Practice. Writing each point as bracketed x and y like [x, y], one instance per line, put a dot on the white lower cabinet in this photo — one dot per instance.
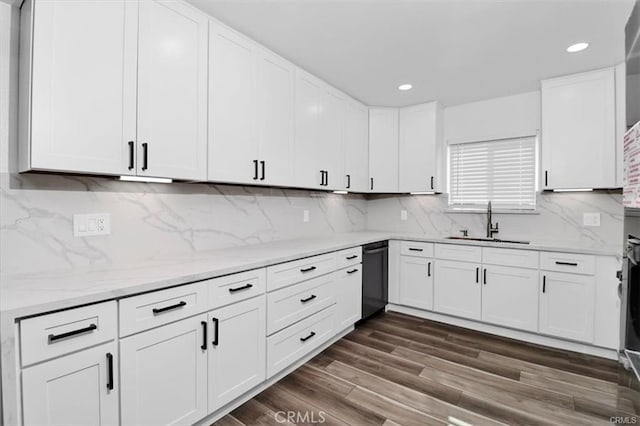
[77, 389]
[416, 282]
[510, 297]
[236, 350]
[457, 289]
[348, 289]
[567, 303]
[164, 374]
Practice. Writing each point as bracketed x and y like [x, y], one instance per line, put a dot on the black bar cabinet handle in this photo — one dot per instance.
[326, 181]
[309, 269]
[353, 271]
[485, 276]
[180, 304]
[145, 156]
[429, 269]
[255, 169]
[348, 181]
[55, 337]
[109, 371]
[262, 170]
[352, 257]
[216, 330]
[415, 249]
[544, 283]
[304, 339]
[204, 335]
[244, 287]
[321, 177]
[546, 178]
[308, 299]
[131, 155]
[431, 182]
[371, 184]
[477, 274]
[566, 263]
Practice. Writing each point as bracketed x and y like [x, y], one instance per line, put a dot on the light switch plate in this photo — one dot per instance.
[591, 219]
[403, 215]
[87, 225]
[305, 216]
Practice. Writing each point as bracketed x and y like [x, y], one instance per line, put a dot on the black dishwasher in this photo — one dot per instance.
[375, 292]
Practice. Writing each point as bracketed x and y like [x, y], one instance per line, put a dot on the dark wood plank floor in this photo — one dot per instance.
[397, 369]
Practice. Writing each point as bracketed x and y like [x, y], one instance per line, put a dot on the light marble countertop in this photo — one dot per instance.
[30, 294]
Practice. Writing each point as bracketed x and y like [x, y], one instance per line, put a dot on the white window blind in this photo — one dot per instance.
[501, 171]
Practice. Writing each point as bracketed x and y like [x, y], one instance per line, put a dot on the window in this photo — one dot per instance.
[501, 171]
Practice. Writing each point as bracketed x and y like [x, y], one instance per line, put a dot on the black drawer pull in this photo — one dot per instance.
[352, 257]
[55, 337]
[204, 335]
[244, 287]
[566, 263]
[216, 330]
[157, 311]
[309, 269]
[308, 299]
[304, 339]
[415, 249]
[353, 271]
[109, 371]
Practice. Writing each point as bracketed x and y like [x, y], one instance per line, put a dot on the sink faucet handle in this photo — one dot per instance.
[465, 232]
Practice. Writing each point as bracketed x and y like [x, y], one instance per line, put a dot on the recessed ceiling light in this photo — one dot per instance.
[577, 47]
[405, 87]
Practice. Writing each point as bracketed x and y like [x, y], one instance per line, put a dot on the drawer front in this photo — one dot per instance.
[510, 257]
[56, 334]
[458, 252]
[568, 262]
[289, 305]
[234, 288]
[348, 257]
[285, 274]
[411, 248]
[291, 344]
[150, 310]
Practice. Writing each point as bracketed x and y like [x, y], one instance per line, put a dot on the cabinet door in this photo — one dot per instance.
[383, 150]
[348, 290]
[237, 358]
[275, 119]
[79, 389]
[457, 289]
[233, 97]
[578, 131]
[418, 148]
[172, 91]
[83, 88]
[567, 303]
[164, 374]
[510, 297]
[416, 282]
[308, 96]
[330, 151]
[357, 147]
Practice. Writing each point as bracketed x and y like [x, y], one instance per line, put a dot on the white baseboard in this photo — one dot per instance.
[507, 332]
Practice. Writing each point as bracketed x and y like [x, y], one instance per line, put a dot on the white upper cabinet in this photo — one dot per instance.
[275, 119]
[578, 131]
[420, 142]
[330, 150]
[308, 100]
[172, 91]
[77, 112]
[383, 150]
[357, 147]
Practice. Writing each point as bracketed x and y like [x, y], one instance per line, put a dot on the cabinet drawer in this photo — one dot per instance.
[458, 252]
[348, 257]
[510, 257]
[60, 333]
[291, 304]
[234, 288]
[285, 274]
[289, 345]
[411, 248]
[568, 262]
[150, 310]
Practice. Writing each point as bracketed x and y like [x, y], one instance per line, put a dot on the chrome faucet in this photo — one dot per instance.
[490, 229]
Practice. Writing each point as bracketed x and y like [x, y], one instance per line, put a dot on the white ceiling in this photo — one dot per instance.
[455, 51]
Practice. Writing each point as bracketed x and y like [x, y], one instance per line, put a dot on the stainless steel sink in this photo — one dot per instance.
[488, 240]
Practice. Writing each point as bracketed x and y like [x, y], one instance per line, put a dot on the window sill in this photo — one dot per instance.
[493, 211]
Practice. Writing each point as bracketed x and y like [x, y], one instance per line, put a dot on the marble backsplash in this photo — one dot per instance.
[558, 220]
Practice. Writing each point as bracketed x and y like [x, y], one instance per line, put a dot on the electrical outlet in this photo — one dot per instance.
[86, 225]
[403, 215]
[305, 216]
[591, 219]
